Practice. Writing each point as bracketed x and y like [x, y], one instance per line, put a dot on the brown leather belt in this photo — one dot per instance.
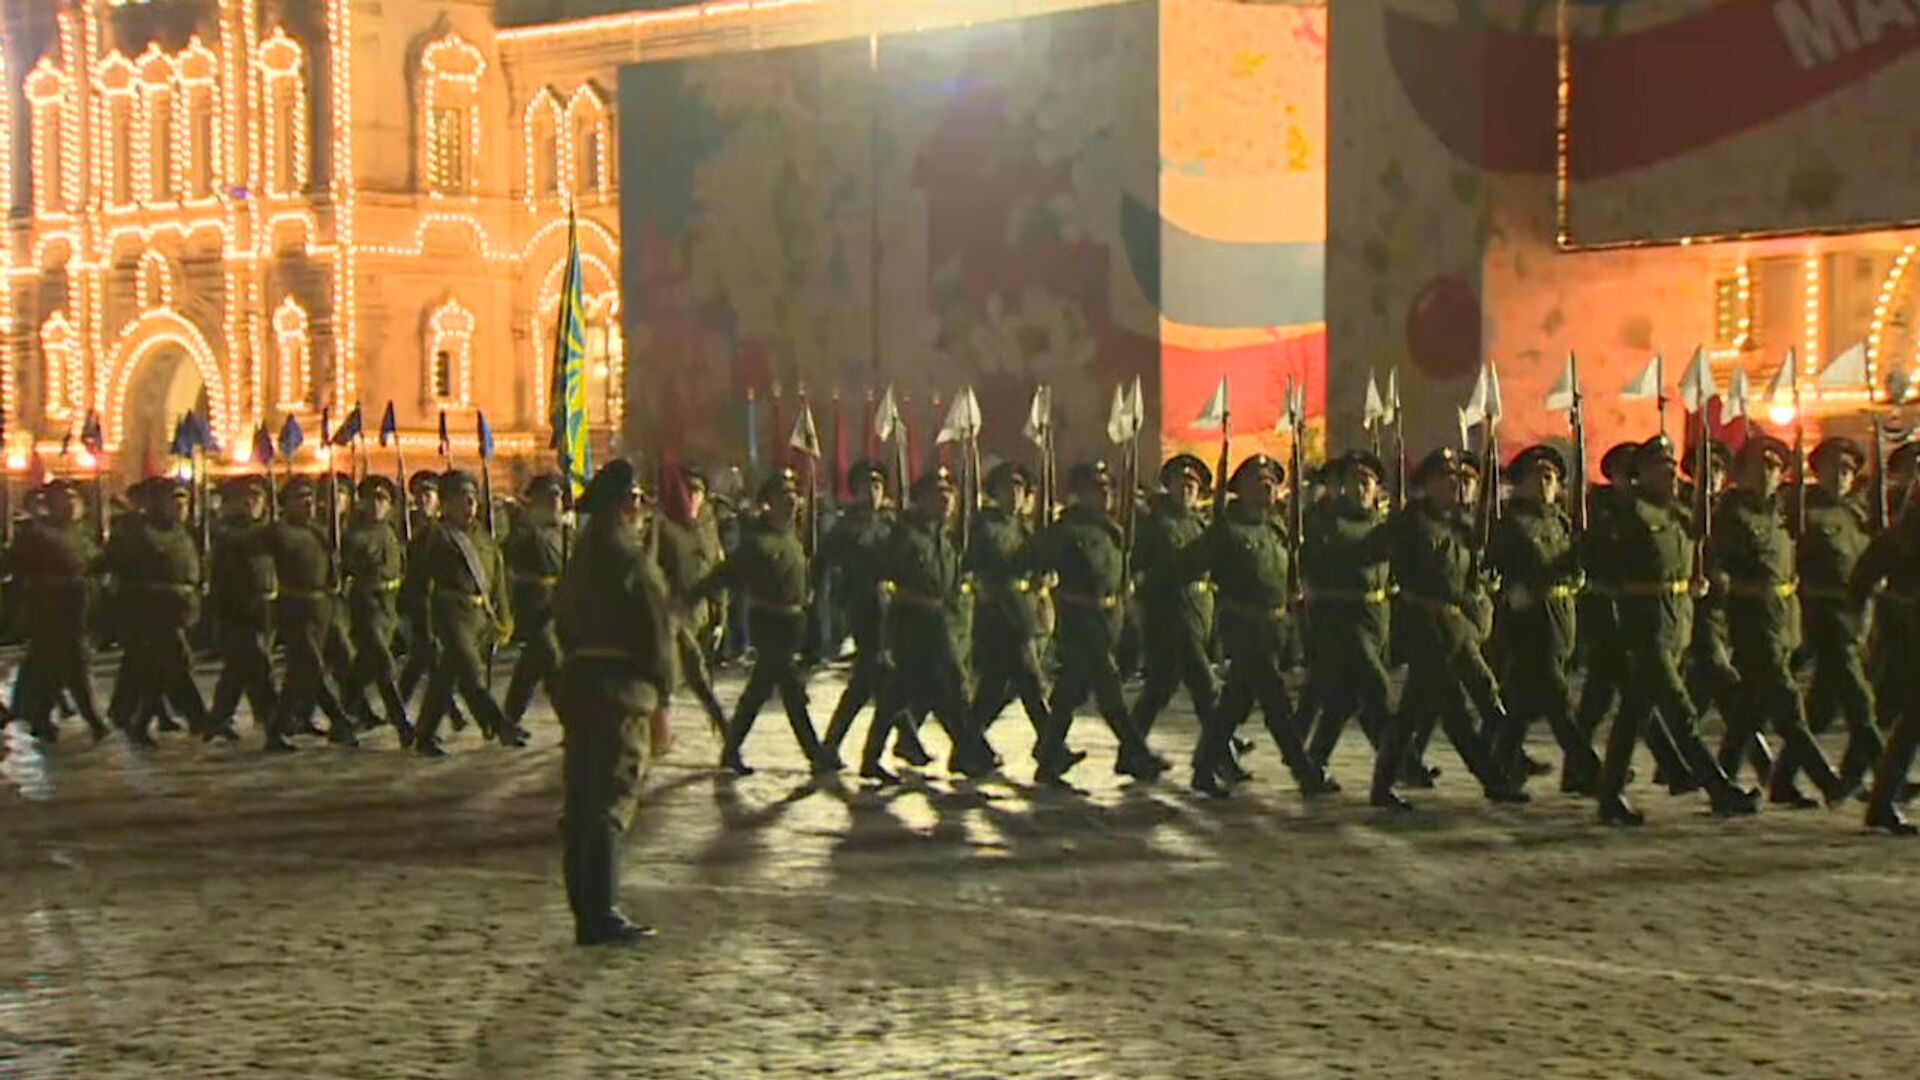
[1103, 602]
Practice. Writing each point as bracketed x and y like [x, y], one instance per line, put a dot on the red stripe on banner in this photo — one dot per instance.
[1257, 381]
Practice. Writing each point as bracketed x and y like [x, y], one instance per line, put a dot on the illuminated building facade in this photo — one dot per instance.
[263, 207]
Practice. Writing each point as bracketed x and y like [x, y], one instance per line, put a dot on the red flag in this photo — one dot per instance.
[839, 451]
[149, 462]
[36, 471]
[675, 501]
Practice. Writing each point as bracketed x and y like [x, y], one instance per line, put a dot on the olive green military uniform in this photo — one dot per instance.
[1006, 628]
[926, 644]
[57, 567]
[1836, 534]
[1532, 549]
[1176, 599]
[852, 551]
[1083, 551]
[1599, 616]
[1893, 557]
[156, 570]
[769, 565]
[464, 576]
[303, 565]
[685, 560]
[613, 621]
[244, 587]
[1346, 563]
[415, 607]
[1754, 560]
[1652, 547]
[533, 554]
[1247, 553]
[372, 559]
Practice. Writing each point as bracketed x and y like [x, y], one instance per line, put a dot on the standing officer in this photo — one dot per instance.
[1435, 563]
[1345, 562]
[303, 565]
[689, 549]
[57, 563]
[373, 562]
[1832, 539]
[1753, 556]
[613, 621]
[1247, 553]
[1006, 628]
[1656, 582]
[1084, 549]
[244, 588]
[851, 550]
[1176, 596]
[1532, 549]
[155, 564]
[770, 566]
[463, 574]
[927, 592]
[533, 551]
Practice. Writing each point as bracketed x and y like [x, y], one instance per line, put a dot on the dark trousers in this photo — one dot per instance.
[246, 670]
[777, 638]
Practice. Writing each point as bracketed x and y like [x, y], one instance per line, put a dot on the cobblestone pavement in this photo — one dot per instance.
[211, 912]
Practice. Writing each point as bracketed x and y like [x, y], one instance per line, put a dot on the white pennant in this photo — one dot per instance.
[1561, 397]
[1393, 395]
[1644, 385]
[963, 419]
[1374, 412]
[1785, 385]
[1136, 410]
[1466, 425]
[1734, 405]
[1117, 416]
[1214, 414]
[1848, 370]
[886, 418]
[805, 438]
[1040, 416]
[1696, 384]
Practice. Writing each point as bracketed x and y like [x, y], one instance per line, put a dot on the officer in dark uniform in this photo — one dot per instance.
[373, 562]
[462, 572]
[534, 551]
[1248, 554]
[1832, 539]
[770, 566]
[1754, 559]
[1436, 564]
[1893, 558]
[243, 592]
[1084, 550]
[1532, 549]
[851, 551]
[423, 512]
[1606, 657]
[1890, 649]
[927, 591]
[1006, 628]
[303, 565]
[57, 564]
[688, 550]
[155, 564]
[1345, 557]
[1656, 580]
[1712, 682]
[1176, 595]
[614, 624]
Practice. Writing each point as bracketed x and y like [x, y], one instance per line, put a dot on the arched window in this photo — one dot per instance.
[293, 355]
[540, 127]
[47, 94]
[114, 83]
[588, 116]
[450, 71]
[283, 92]
[154, 286]
[154, 163]
[198, 144]
[450, 355]
[58, 348]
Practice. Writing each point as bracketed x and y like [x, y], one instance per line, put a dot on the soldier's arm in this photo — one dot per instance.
[500, 596]
[1872, 568]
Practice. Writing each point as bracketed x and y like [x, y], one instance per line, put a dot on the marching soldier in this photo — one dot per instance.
[613, 620]
[533, 551]
[56, 563]
[1532, 549]
[1893, 558]
[461, 571]
[1712, 682]
[1248, 555]
[1176, 596]
[1345, 562]
[1651, 544]
[303, 566]
[1435, 563]
[1606, 655]
[1006, 628]
[244, 588]
[155, 564]
[770, 566]
[925, 630]
[851, 549]
[424, 514]
[1753, 557]
[689, 550]
[373, 562]
[1832, 539]
[1084, 550]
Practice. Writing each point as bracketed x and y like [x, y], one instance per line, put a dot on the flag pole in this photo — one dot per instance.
[1660, 390]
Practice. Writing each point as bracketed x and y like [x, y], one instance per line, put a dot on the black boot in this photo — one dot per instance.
[730, 758]
[600, 921]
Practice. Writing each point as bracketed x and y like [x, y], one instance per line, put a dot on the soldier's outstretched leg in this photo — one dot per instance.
[863, 684]
[793, 697]
[1277, 711]
[761, 683]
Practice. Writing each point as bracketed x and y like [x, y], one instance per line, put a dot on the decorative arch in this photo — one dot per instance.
[155, 127]
[540, 128]
[449, 355]
[590, 137]
[153, 286]
[139, 339]
[61, 380]
[293, 354]
[599, 284]
[50, 151]
[450, 73]
[115, 107]
[201, 159]
[283, 95]
[1895, 289]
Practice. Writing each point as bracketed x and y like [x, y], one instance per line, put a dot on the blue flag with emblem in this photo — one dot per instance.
[182, 444]
[262, 446]
[291, 437]
[349, 428]
[484, 431]
[389, 426]
[568, 399]
[200, 433]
